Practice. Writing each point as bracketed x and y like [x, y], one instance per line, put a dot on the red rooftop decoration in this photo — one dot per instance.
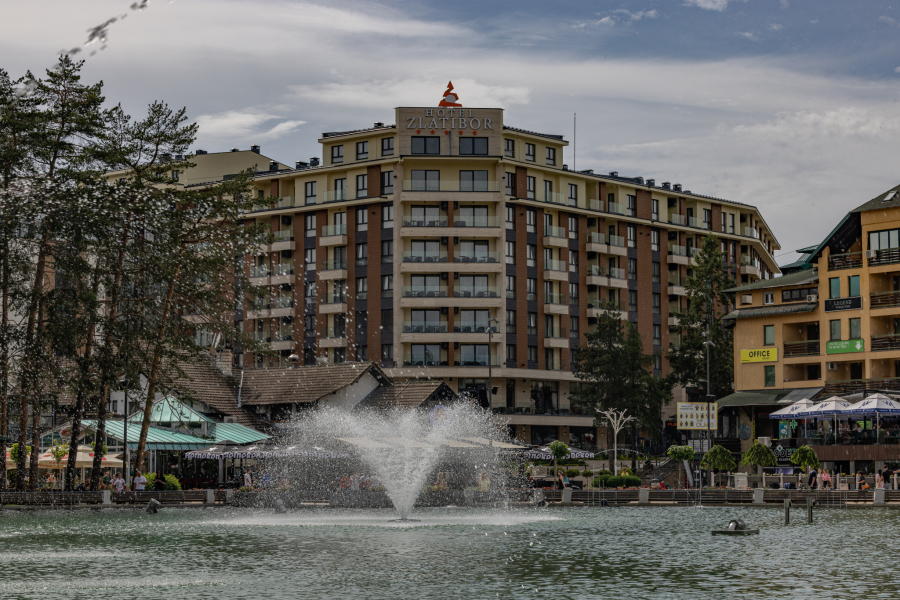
[450, 97]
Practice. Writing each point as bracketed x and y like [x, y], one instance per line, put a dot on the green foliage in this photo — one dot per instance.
[172, 483]
[14, 452]
[603, 472]
[103, 450]
[559, 450]
[59, 451]
[587, 473]
[707, 301]
[617, 481]
[759, 455]
[680, 453]
[617, 374]
[718, 458]
[806, 457]
[572, 472]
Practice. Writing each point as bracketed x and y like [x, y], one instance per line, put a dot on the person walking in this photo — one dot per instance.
[826, 480]
[248, 481]
[879, 480]
[119, 483]
[812, 478]
[861, 481]
[140, 482]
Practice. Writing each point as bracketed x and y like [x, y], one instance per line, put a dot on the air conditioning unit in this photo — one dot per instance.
[765, 441]
[812, 298]
[832, 366]
[229, 419]
[870, 253]
[746, 298]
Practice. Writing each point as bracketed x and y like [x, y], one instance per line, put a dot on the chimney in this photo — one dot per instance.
[199, 152]
[565, 167]
[666, 185]
[651, 182]
[224, 361]
[273, 166]
[613, 173]
[234, 149]
[300, 165]
[314, 161]
[639, 180]
[254, 149]
[379, 124]
[677, 187]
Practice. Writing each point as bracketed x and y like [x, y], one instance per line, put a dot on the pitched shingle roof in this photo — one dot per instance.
[303, 384]
[783, 281]
[767, 311]
[409, 394]
[204, 382]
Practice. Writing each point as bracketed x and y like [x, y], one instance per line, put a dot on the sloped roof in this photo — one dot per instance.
[204, 382]
[783, 281]
[881, 201]
[165, 439]
[303, 384]
[411, 393]
[169, 410]
[752, 398]
[766, 311]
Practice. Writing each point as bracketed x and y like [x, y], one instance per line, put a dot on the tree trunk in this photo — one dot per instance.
[4, 356]
[36, 406]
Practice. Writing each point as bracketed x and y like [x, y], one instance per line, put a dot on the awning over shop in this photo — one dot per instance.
[753, 398]
[165, 439]
[801, 394]
[768, 311]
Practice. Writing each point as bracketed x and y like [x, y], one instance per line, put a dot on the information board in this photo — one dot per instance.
[692, 415]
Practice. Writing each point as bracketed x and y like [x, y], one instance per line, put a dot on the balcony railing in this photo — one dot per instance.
[282, 302]
[675, 281]
[886, 342]
[424, 326]
[261, 336]
[424, 291]
[695, 222]
[596, 238]
[617, 240]
[483, 291]
[616, 273]
[884, 299]
[434, 256]
[888, 256]
[362, 262]
[750, 233]
[676, 250]
[285, 235]
[334, 299]
[474, 327]
[599, 205]
[338, 229]
[419, 360]
[284, 202]
[807, 348]
[596, 270]
[333, 196]
[259, 271]
[449, 185]
[676, 219]
[556, 332]
[555, 265]
[477, 361]
[615, 208]
[750, 261]
[282, 269]
[555, 298]
[475, 221]
[478, 257]
[284, 335]
[335, 332]
[847, 260]
[551, 231]
[331, 264]
[423, 221]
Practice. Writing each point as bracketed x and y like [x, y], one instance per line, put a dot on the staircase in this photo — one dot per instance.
[661, 472]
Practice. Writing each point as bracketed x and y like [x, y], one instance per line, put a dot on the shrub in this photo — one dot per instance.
[603, 480]
[172, 483]
[572, 472]
[587, 473]
[604, 472]
[617, 481]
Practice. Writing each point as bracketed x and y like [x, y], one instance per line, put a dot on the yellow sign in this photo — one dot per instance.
[759, 355]
[693, 415]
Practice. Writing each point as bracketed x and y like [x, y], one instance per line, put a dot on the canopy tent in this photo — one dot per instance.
[84, 459]
[546, 454]
[792, 411]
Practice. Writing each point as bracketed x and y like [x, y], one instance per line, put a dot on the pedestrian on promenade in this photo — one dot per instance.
[879, 480]
[861, 481]
[159, 483]
[248, 481]
[119, 483]
[140, 482]
[812, 479]
[826, 480]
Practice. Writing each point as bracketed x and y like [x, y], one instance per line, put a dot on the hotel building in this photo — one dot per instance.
[452, 246]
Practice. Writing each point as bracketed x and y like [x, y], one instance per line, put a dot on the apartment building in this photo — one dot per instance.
[453, 246]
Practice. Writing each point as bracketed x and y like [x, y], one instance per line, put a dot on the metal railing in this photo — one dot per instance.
[483, 291]
[424, 326]
[847, 260]
[890, 341]
[425, 256]
[884, 299]
[805, 348]
[449, 185]
[337, 229]
[424, 291]
[887, 256]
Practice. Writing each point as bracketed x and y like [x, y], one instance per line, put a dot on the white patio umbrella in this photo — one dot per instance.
[832, 407]
[876, 404]
[792, 411]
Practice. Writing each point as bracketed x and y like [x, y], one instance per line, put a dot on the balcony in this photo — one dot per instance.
[676, 219]
[478, 257]
[556, 304]
[334, 196]
[560, 299]
[615, 273]
[418, 360]
[475, 221]
[333, 304]
[424, 326]
[556, 236]
[598, 205]
[614, 208]
[560, 333]
[284, 270]
[474, 327]
[424, 221]
[333, 269]
[489, 291]
[258, 272]
[847, 260]
[750, 233]
[331, 230]
[424, 291]
[695, 223]
[477, 360]
[332, 264]
[419, 256]
[884, 299]
[885, 342]
[676, 287]
[804, 348]
[274, 203]
[888, 256]
[285, 235]
[450, 185]
[678, 255]
[554, 198]
[749, 265]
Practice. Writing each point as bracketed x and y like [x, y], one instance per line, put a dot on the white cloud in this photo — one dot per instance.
[236, 126]
[637, 16]
[897, 70]
[605, 21]
[747, 35]
[785, 4]
[776, 27]
[719, 5]
[888, 20]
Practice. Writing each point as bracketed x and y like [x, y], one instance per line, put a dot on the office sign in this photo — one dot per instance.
[843, 304]
[845, 346]
[759, 355]
[692, 415]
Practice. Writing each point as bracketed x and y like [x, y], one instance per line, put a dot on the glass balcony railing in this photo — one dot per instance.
[750, 233]
[616, 273]
[449, 185]
[676, 250]
[554, 198]
[474, 327]
[477, 257]
[749, 261]
[531, 296]
[424, 291]
[695, 222]
[282, 269]
[424, 326]
[676, 219]
[483, 291]
[261, 336]
[285, 235]
[338, 229]
[423, 256]
[556, 332]
[475, 221]
[424, 360]
[333, 196]
[284, 335]
[596, 238]
[555, 265]
[615, 208]
[616, 240]
[362, 262]
[676, 281]
[335, 332]
[424, 220]
[560, 232]
[262, 271]
[332, 264]
[284, 202]
[597, 205]
[282, 302]
[555, 298]
[334, 299]
[476, 360]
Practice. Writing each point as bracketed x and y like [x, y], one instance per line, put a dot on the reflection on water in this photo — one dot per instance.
[461, 553]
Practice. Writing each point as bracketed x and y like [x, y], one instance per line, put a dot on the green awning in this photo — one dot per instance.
[171, 410]
[165, 439]
[237, 433]
[767, 311]
[753, 398]
[783, 281]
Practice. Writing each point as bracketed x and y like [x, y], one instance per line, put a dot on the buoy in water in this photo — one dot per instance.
[735, 527]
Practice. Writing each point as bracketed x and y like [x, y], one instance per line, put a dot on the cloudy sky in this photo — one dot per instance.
[792, 106]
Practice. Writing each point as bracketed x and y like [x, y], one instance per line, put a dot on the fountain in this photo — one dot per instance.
[406, 450]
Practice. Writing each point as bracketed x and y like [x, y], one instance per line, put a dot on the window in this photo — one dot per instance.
[340, 189]
[835, 327]
[531, 289]
[511, 217]
[387, 251]
[337, 154]
[632, 236]
[531, 255]
[551, 156]
[632, 268]
[510, 286]
[473, 181]
[362, 255]
[724, 222]
[309, 225]
[425, 181]
[426, 145]
[548, 191]
[311, 193]
[309, 292]
[855, 329]
[657, 335]
[770, 376]
[834, 287]
[532, 323]
[853, 280]
[509, 148]
[654, 209]
[730, 223]
[362, 220]
[387, 146]
[530, 184]
[387, 216]
[573, 293]
[573, 228]
[655, 267]
[362, 288]
[473, 146]
[309, 326]
[510, 180]
[630, 203]
[657, 362]
[387, 354]
[309, 257]
[532, 354]
[175, 174]
[798, 294]
[707, 219]
[510, 321]
[573, 327]
[387, 286]
[632, 300]
[362, 353]
[573, 261]
[362, 150]
[654, 240]
[769, 298]
[387, 183]
[612, 295]
[510, 357]
[573, 194]
[510, 253]
[530, 220]
[387, 320]
[884, 240]
[529, 152]
[657, 303]
[768, 335]
[362, 186]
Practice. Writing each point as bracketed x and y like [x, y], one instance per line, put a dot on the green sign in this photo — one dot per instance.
[845, 347]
